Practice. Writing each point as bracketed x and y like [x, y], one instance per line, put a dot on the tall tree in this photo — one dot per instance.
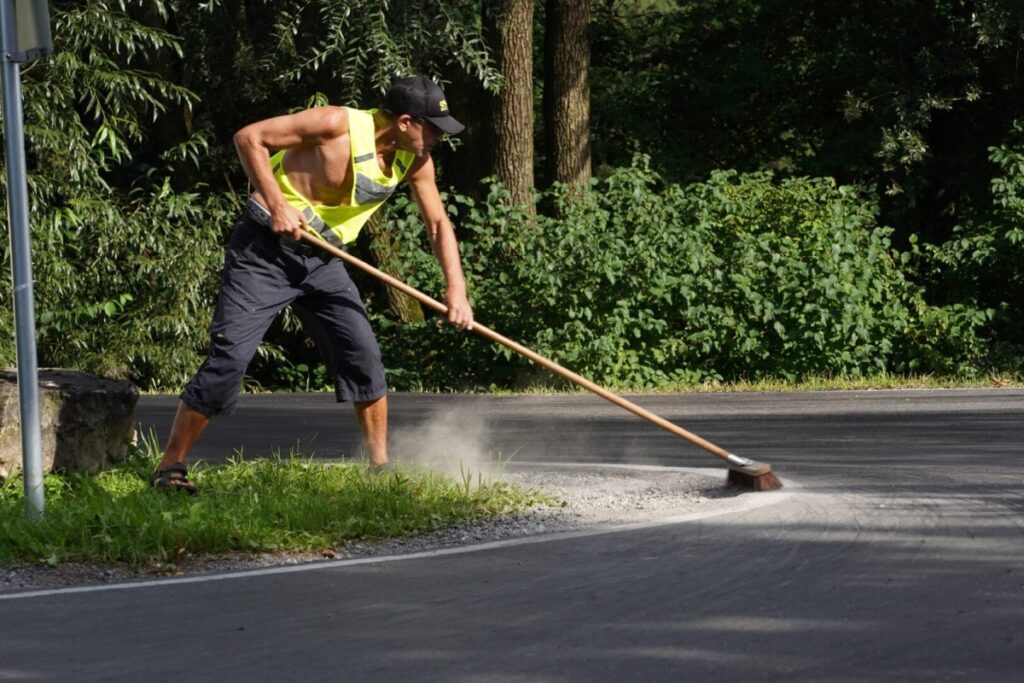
[508, 24]
[567, 91]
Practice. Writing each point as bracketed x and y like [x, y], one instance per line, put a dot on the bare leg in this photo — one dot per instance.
[188, 425]
[373, 418]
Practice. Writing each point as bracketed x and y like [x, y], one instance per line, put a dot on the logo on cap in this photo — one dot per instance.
[443, 105]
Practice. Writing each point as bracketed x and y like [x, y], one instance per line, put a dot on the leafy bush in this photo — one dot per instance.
[982, 265]
[127, 290]
[638, 284]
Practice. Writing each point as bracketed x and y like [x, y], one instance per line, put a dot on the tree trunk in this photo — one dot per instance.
[472, 160]
[384, 253]
[508, 25]
[567, 91]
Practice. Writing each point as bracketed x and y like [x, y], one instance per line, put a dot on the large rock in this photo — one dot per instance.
[87, 422]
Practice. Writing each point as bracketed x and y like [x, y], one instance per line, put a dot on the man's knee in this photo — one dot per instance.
[214, 389]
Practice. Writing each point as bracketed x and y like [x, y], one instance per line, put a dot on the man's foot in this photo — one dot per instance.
[382, 468]
[173, 477]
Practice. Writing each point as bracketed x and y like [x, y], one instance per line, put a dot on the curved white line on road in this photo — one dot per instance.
[746, 504]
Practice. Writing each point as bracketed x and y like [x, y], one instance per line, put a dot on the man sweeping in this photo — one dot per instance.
[325, 170]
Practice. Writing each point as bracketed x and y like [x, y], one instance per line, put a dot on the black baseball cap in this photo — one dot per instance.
[421, 98]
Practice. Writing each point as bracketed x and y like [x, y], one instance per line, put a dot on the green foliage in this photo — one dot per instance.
[982, 264]
[126, 289]
[638, 283]
[274, 504]
[131, 203]
[756, 272]
[901, 96]
[272, 56]
[124, 262]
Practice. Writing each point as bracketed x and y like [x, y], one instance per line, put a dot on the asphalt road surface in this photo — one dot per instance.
[897, 554]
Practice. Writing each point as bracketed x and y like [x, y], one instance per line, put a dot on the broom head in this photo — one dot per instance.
[756, 476]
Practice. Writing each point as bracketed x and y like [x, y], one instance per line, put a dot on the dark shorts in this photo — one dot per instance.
[262, 274]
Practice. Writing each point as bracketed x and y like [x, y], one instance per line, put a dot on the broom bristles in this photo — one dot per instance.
[764, 480]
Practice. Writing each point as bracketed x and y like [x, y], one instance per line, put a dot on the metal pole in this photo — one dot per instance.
[21, 268]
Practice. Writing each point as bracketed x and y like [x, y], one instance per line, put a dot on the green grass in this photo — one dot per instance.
[556, 385]
[880, 381]
[818, 383]
[277, 504]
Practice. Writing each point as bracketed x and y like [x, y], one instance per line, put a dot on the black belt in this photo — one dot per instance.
[258, 214]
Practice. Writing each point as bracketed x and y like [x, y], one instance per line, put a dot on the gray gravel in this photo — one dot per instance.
[590, 496]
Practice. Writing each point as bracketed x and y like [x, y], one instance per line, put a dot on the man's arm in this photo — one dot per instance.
[442, 242]
[256, 141]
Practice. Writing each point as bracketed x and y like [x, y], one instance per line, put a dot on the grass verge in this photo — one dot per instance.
[556, 385]
[277, 504]
[780, 385]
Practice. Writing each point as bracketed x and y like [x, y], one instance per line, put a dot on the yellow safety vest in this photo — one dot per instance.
[341, 223]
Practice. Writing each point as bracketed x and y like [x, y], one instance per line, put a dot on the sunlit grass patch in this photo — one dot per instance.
[877, 381]
[287, 504]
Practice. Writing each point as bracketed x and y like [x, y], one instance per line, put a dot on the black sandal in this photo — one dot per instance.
[173, 478]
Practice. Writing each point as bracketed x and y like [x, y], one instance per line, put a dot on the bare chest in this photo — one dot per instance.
[323, 174]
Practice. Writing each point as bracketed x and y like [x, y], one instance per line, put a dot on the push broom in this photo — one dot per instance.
[743, 472]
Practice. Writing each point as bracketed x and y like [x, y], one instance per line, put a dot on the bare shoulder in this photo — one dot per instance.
[337, 115]
[307, 128]
[422, 171]
[320, 123]
[330, 121]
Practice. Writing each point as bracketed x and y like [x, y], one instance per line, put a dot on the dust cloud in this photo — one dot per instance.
[450, 443]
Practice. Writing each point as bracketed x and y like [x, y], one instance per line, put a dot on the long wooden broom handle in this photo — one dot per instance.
[519, 348]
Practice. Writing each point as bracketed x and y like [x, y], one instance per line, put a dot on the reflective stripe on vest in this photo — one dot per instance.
[319, 227]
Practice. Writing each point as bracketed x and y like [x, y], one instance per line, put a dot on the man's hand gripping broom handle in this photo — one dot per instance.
[742, 471]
